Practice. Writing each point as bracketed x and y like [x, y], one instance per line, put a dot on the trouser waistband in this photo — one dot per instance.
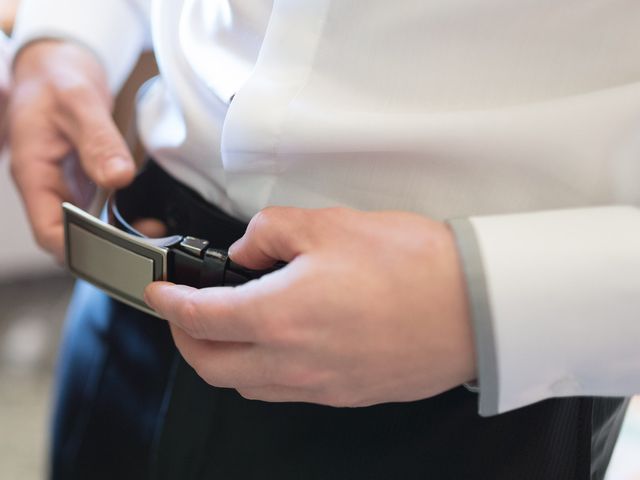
[156, 194]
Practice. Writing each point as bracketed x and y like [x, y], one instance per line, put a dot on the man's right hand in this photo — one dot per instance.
[62, 136]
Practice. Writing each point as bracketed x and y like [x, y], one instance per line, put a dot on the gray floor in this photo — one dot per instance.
[31, 316]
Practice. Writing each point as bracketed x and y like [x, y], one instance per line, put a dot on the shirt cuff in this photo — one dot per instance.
[554, 299]
[114, 30]
[481, 318]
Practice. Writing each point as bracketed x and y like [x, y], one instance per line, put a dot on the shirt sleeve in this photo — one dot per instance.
[115, 30]
[555, 302]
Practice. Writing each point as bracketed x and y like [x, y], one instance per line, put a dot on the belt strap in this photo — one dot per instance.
[196, 262]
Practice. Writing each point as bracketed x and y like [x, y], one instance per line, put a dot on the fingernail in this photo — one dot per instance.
[114, 167]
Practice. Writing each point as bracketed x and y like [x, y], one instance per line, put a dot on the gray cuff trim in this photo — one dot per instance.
[480, 310]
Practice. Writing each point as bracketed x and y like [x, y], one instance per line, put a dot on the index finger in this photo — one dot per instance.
[36, 153]
[217, 313]
[43, 190]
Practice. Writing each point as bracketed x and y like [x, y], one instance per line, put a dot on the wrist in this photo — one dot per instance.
[65, 65]
[463, 329]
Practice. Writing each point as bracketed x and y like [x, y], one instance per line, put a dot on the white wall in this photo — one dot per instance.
[19, 256]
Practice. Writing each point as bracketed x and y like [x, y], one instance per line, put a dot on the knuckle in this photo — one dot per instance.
[27, 96]
[73, 95]
[249, 394]
[269, 216]
[263, 218]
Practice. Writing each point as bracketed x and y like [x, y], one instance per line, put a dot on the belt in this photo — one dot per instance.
[121, 261]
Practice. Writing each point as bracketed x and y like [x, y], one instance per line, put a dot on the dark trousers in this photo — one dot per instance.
[128, 407]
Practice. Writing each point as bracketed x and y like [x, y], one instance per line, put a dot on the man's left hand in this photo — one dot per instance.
[371, 308]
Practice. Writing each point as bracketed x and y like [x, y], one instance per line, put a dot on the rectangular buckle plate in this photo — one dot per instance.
[118, 263]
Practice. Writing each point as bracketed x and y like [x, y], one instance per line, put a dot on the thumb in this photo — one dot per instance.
[103, 152]
[274, 234]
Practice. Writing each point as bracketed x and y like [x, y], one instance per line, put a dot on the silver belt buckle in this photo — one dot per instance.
[117, 262]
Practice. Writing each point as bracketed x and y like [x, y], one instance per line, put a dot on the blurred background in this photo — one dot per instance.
[33, 296]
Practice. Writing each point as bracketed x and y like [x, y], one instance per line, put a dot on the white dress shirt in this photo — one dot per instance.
[522, 117]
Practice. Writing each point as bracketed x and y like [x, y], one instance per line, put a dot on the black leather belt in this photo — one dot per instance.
[121, 261]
